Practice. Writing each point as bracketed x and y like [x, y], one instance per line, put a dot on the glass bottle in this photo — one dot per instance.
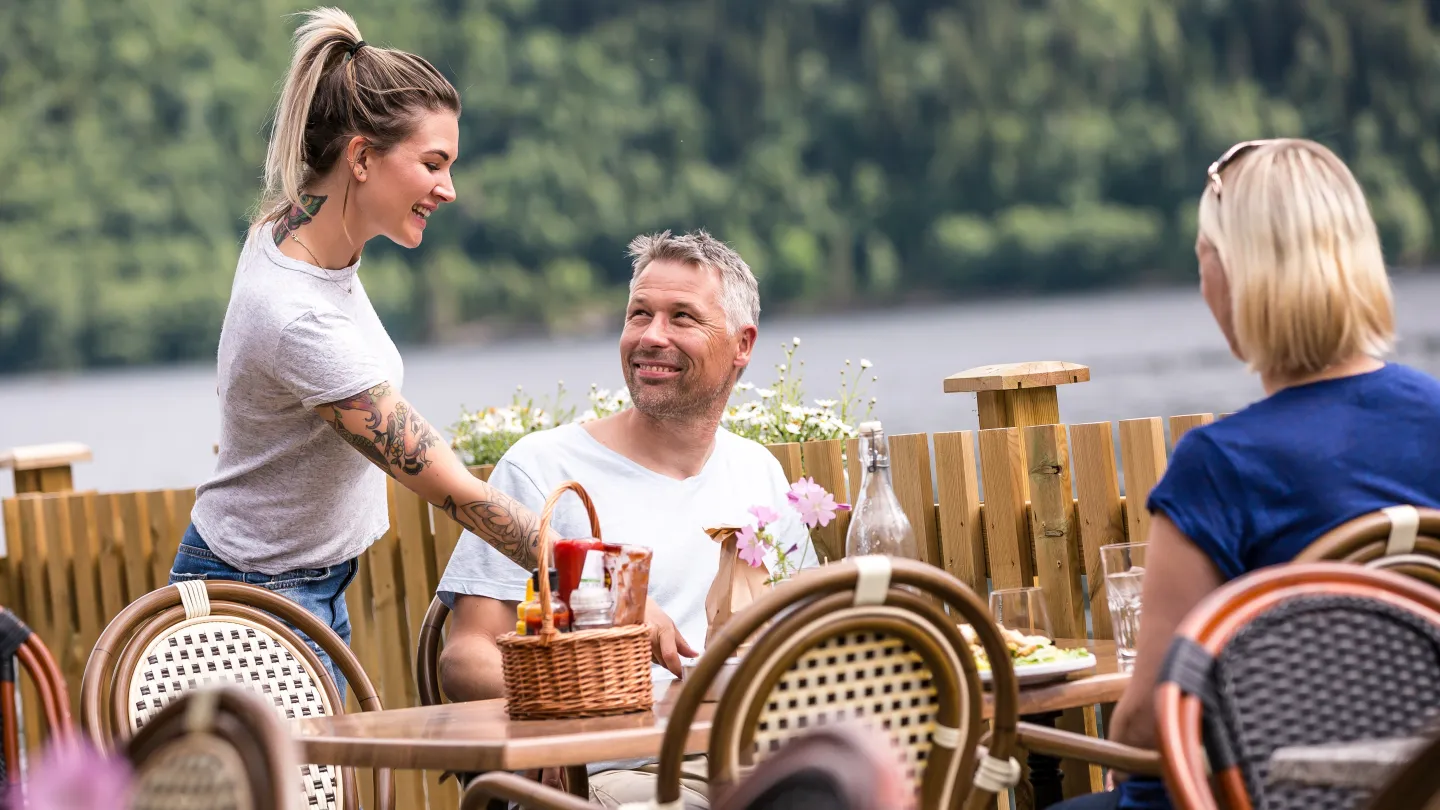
[878, 525]
[531, 612]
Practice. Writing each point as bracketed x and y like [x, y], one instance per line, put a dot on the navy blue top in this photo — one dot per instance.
[1255, 488]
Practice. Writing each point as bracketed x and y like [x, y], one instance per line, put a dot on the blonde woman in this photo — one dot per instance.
[1291, 268]
[312, 416]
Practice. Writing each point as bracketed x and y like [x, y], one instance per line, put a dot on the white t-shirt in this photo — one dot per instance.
[288, 493]
[636, 506]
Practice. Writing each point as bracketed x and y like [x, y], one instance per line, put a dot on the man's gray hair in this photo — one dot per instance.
[739, 292]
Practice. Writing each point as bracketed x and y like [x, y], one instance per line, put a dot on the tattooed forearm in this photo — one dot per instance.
[404, 442]
[499, 523]
[299, 215]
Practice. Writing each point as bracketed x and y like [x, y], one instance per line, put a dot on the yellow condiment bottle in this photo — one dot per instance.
[520, 608]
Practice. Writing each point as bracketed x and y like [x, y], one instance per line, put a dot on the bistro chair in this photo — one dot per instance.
[862, 641]
[215, 748]
[208, 633]
[18, 644]
[1303, 654]
[1399, 538]
[427, 679]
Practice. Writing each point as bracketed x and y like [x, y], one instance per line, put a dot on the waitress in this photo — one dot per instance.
[312, 415]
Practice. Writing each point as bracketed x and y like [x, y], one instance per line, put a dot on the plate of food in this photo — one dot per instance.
[1036, 658]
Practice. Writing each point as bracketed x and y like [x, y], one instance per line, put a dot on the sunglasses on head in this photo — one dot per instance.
[1231, 155]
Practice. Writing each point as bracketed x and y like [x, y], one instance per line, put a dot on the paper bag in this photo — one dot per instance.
[736, 584]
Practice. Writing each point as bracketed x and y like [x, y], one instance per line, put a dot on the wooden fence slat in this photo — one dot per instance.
[417, 560]
[788, 454]
[164, 535]
[359, 600]
[962, 537]
[15, 573]
[914, 487]
[64, 644]
[1002, 472]
[852, 469]
[27, 546]
[1102, 517]
[110, 561]
[825, 463]
[1180, 425]
[1053, 528]
[394, 650]
[135, 523]
[1142, 458]
[86, 538]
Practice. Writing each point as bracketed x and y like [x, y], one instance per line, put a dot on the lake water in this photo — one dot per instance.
[1151, 353]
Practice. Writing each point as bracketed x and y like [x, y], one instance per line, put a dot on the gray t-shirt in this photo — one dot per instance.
[288, 493]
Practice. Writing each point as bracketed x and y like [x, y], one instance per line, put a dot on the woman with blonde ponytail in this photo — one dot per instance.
[309, 381]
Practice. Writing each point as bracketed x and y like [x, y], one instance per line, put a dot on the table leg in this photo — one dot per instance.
[577, 780]
[1045, 776]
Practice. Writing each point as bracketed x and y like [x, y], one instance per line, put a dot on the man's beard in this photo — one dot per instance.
[677, 401]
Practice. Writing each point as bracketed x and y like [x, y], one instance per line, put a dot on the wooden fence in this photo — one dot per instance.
[1052, 497]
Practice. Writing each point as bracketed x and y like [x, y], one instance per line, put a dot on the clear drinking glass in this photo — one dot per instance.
[1124, 565]
[1022, 610]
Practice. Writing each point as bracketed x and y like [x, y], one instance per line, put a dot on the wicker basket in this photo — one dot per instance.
[588, 673]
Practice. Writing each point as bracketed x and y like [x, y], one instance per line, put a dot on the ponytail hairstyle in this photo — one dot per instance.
[339, 87]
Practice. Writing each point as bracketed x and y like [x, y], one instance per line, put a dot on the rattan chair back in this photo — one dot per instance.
[205, 634]
[214, 748]
[1294, 655]
[1401, 538]
[865, 640]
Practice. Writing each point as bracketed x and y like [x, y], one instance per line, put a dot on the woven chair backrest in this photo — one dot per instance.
[889, 667]
[195, 772]
[187, 649]
[1321, 669]
[218, 747]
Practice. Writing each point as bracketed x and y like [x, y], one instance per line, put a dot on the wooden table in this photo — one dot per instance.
[478, 736]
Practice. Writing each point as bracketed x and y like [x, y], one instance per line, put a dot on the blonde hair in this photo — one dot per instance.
[337, 88]
[739, 292]
[1302, 258]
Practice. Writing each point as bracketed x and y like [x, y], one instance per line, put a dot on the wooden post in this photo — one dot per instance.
[44, 468]
[1017, 395]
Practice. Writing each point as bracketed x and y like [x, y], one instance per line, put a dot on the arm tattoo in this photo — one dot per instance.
[299, 215]
[402, 444]
[497, 523]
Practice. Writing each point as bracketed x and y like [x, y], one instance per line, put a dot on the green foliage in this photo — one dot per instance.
[853, 151]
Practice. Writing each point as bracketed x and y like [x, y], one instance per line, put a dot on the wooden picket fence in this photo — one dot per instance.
[1052, 498]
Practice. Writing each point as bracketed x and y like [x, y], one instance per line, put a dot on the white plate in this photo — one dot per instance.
[1044, 673]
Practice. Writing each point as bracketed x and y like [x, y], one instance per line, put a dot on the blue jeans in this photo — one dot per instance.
[319, 590]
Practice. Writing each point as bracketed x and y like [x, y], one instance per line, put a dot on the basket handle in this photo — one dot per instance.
[547, 613]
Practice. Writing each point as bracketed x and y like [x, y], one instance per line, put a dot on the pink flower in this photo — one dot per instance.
[765, 515]
[816, 506]
[752, 548]
[74, 776]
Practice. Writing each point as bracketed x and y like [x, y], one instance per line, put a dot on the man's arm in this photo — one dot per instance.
[1177, 576]
[470, 662]
[385, 428]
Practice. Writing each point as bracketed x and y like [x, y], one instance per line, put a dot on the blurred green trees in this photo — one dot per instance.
[853, 151]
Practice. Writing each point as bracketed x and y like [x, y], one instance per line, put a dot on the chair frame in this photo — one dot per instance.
[1365, 540]
[1216, 620]
[810, 596]
[238, 718]
[116, 655]
[34, 657]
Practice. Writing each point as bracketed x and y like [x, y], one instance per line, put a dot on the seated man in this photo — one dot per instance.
[659, 473]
